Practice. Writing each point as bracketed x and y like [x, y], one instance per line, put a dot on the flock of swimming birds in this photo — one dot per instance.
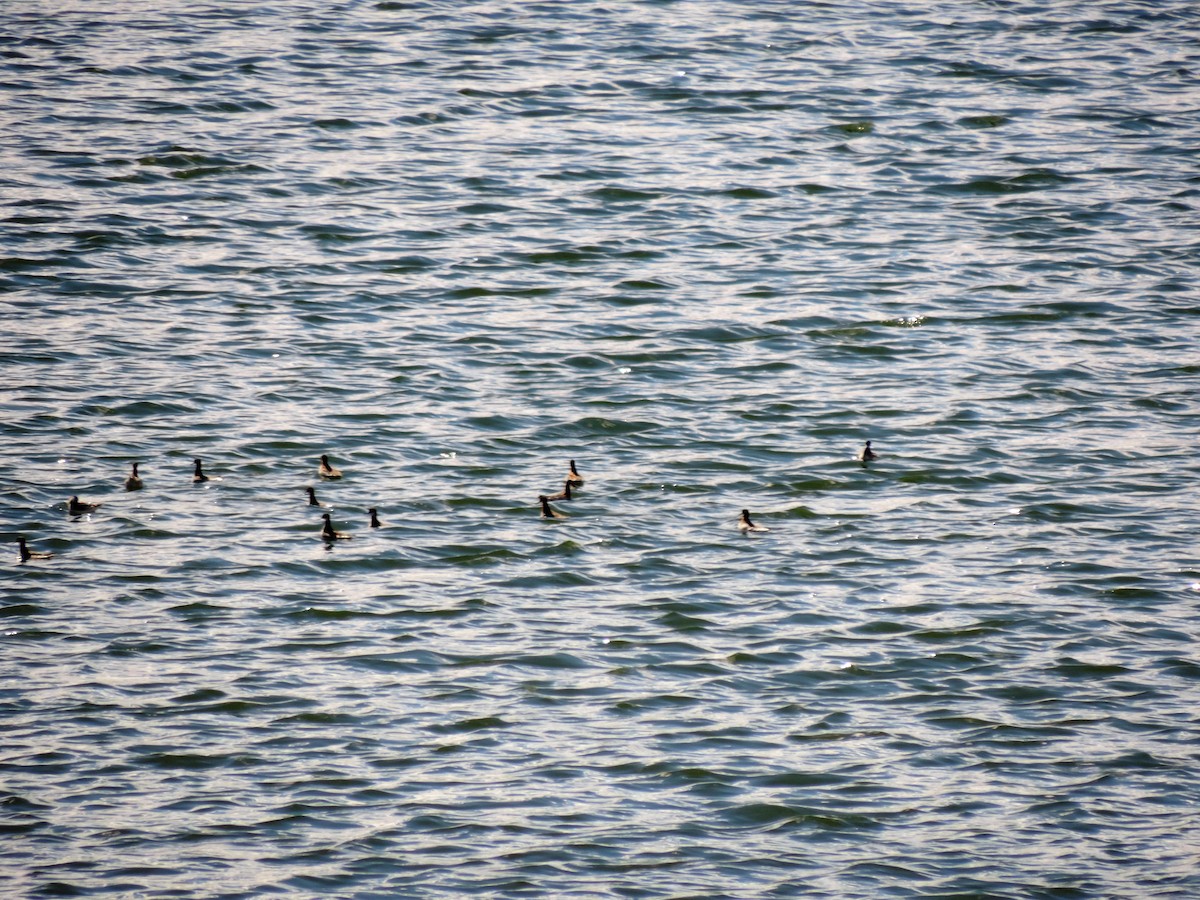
[327, 472]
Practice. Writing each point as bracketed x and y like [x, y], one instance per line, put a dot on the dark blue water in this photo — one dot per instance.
[705, 249]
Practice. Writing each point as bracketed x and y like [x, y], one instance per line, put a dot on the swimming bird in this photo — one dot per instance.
[27, 554]
[547, 511]
[867, 453]
[77, 507]
[375, 523]
[312, 497]
[573, 475]
[329, 534]
[747, 527]
[564, 494]
[198, 476]
[325, 470]
[133, 482]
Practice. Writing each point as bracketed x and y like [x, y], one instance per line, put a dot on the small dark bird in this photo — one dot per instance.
[325, 470]
[27, 554]
[134, 481]
[573, 475]
[547, 511]
[77, 507]
[375, 523]
[564, 494]
[747, 527]
[329, 534]
[312, 497]
[867, 453]
[198, 476]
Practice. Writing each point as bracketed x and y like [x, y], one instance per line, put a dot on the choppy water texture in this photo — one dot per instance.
[706, 249]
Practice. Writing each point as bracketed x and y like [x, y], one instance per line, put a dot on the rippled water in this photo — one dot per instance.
[706, 249]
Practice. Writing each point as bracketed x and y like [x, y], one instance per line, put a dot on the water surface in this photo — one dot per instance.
[705, 249]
